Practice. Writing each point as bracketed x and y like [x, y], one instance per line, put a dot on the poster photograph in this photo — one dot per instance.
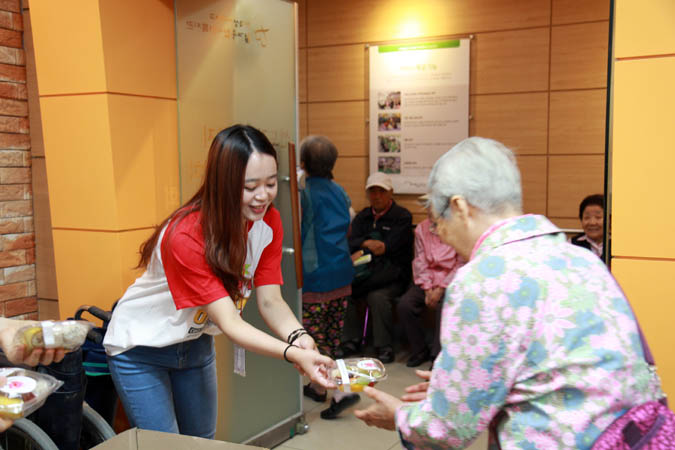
[419, 108]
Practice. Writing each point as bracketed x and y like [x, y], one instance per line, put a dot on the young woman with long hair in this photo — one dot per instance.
[200, 266]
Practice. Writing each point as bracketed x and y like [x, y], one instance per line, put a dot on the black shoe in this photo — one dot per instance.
[386, 355]
[418, 358]
[336, 408]
[350, 348]
[308, 391]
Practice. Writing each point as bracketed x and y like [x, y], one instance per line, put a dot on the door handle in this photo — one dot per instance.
[288, 250]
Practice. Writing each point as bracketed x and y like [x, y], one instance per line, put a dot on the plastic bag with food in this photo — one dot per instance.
[67, 334]
[353, 374]
[24, 391]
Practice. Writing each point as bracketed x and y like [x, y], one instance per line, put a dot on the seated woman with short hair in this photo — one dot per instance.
[592, 217]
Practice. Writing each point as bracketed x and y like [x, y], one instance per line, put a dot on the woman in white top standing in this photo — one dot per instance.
[200, 266]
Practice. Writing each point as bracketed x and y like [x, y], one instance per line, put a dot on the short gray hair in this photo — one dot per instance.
[481, 170]
[318, 154]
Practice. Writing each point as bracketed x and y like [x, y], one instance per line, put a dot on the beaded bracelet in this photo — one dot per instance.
[285, 357]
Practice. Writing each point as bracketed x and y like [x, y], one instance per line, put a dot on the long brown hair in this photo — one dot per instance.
[219, 201]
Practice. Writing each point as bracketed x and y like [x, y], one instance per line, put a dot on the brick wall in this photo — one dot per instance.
[17, 240]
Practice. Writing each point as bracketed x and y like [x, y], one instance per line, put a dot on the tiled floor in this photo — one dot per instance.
[347, 432]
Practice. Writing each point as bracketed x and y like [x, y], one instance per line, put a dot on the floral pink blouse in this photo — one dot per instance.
[536, 337]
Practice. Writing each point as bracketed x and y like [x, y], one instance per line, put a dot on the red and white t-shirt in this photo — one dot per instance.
[164, 305]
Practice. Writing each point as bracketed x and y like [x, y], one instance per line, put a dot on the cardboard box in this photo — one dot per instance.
[135, 439]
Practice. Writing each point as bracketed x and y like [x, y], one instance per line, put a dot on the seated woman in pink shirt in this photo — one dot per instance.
[434, 268]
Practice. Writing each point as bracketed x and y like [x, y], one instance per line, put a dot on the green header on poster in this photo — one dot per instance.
[420, 46]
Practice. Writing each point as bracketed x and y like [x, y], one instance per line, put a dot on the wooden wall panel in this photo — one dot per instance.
[568, 223]
[351, 174]
[302, 23]
[336, 73]
[579, 56]
[410, 202]
[344, 123]
[570, 179]
[517, 120]
[533, 179]
[302, 121]
[572, 11]
[302, 75]
[349, 21]
[577, 121]
[510, 61]
[517, 60]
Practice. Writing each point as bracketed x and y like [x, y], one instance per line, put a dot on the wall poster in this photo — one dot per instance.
[419, 108]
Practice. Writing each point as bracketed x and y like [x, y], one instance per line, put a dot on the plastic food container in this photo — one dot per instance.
[67, 334]
[353, 374]
[24, 391]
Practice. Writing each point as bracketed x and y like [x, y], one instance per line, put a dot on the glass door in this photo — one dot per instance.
[236, 64]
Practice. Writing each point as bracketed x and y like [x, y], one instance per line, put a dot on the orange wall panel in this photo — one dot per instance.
[644, 28]
[145, 159]
[139, 47]
[643, 158]
[94, 268]
[68, 62]
[649, 287]
[76, 132]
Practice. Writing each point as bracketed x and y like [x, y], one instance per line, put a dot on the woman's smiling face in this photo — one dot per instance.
[260, 185]
[592, 221]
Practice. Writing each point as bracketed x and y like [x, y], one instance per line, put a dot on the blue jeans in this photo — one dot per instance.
[172, 389]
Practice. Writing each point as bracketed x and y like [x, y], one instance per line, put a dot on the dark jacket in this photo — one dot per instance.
[394, 229]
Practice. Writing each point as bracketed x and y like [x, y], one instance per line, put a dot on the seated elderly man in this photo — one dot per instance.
[383, 230]
[538, 342]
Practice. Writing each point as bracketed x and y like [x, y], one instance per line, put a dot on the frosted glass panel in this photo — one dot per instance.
[236, 64]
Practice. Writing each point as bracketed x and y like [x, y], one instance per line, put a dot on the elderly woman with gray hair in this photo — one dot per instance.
[538, 341]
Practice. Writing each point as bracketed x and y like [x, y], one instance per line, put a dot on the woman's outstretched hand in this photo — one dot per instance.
[313, 364]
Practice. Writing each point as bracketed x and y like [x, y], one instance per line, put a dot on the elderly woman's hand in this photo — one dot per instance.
[418, 392]
[382, 413]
